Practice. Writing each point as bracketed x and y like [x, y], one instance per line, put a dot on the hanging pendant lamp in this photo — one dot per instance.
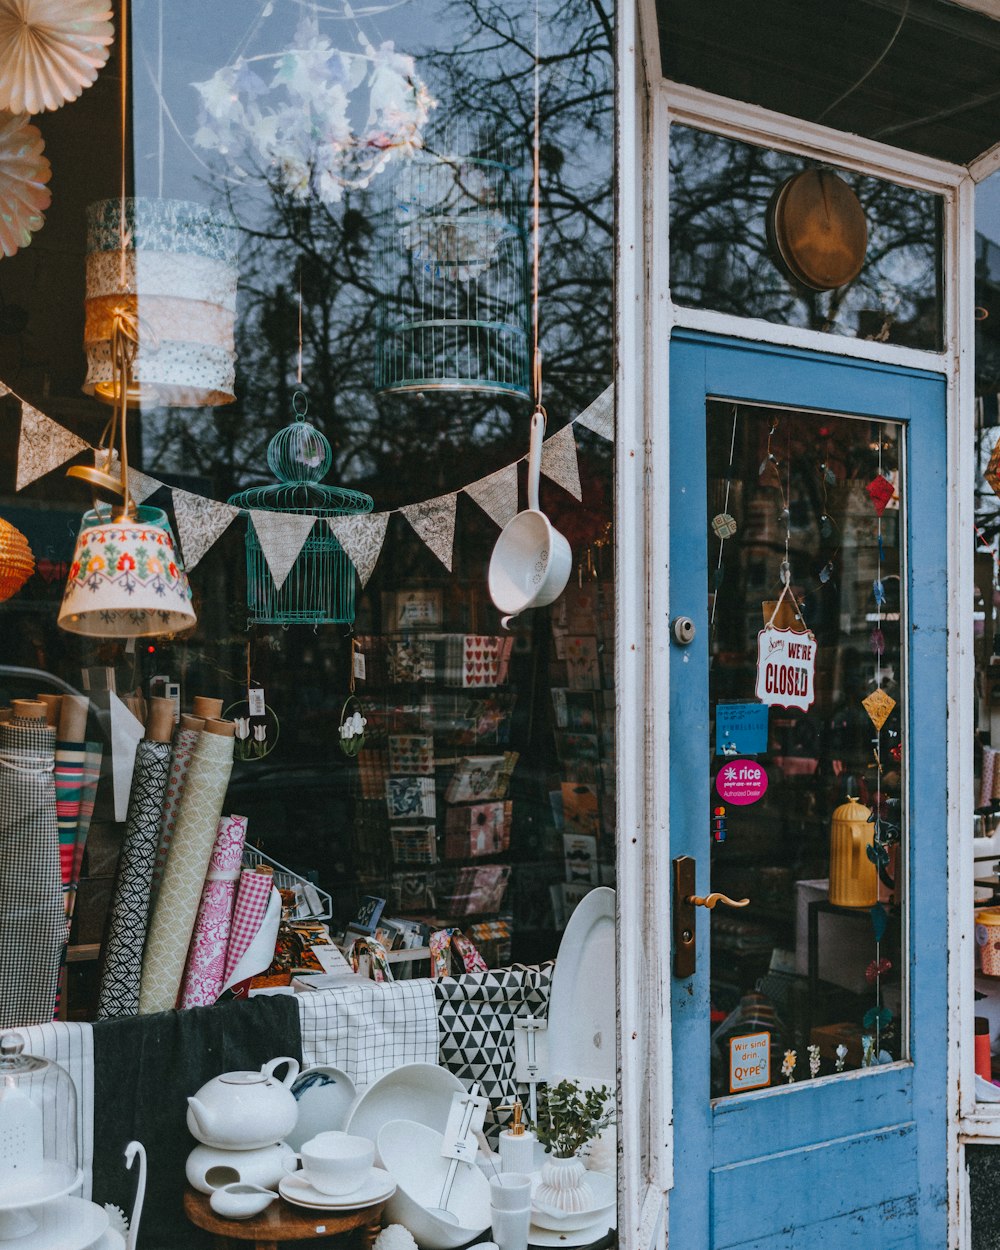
[16, 561]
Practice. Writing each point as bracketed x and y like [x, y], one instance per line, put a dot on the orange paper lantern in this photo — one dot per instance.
[16, 561]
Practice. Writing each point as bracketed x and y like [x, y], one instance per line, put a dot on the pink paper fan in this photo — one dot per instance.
[24, 171]
[50, 50]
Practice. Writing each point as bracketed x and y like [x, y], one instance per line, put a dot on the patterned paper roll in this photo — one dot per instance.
[180, 761]
[129, 914]
[988, 778]
[996, 774]
[32, 914]
[69, 765]
[184, 875]
[206, 966]
[88, 796]
[251, 904]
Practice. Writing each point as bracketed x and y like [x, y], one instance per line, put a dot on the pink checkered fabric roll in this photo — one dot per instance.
[251, 904]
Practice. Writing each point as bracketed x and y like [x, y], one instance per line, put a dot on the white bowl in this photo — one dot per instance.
[411, 1154]
[416, 1091]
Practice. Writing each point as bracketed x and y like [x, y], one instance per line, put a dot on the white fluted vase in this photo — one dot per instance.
[564, 1185]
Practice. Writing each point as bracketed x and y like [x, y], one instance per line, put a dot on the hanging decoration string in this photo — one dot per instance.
[725, 513]
[123, 239]
[536, 362]
[298, 376]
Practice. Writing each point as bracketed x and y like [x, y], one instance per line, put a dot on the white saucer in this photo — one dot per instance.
[112, 1239]
[605, 1190]
[69, 1223]
[378, 1186]
[52, 1180]
[579, 1237]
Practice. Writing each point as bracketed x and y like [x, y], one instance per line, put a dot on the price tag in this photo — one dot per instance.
[255, 698]
[465, 1120]
[359, 665]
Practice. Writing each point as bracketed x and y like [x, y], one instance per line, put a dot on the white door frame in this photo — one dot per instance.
[645, 315]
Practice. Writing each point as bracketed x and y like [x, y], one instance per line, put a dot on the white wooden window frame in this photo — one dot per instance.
[647, 105]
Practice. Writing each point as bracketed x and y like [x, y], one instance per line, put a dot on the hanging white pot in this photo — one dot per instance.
[531, 561]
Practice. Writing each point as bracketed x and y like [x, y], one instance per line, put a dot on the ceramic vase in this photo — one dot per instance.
[564, 1185]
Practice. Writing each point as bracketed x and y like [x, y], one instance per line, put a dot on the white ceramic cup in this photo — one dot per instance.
[336, 1163]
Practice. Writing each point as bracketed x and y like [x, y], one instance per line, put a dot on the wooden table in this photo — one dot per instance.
[281, 1223]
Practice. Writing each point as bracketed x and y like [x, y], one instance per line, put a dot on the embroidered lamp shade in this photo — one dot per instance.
[126, 579]
[177, 282]
[16, 561]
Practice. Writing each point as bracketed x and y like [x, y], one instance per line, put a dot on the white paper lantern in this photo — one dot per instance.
[176, 281]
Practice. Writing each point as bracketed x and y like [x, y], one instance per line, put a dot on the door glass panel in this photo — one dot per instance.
[806, 728]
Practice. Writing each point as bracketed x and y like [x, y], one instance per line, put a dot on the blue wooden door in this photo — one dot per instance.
[787, 443]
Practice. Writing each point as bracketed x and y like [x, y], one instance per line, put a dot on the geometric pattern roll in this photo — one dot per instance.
[32, 915]
[127, 919]
[206, 967]
[184, 876]
[180, 761]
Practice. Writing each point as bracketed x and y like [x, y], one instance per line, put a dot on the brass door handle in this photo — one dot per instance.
[710, 900]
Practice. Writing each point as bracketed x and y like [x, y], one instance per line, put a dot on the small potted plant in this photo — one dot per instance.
[568, 1118]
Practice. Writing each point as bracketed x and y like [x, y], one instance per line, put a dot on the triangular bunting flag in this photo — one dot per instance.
[434, 521]
[497, 494]
[600, 415]
[281, 536]
[559, 461]
[43, 446]
[4, 389]
[141, 485]
[200, 523]
[361, 537]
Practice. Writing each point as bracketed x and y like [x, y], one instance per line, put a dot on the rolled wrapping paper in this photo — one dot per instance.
[378, 959]
[70, 761]
[88, 796]
[163, 273]
[996, 775]
[259, 955]
[191, 848]
[205, 974]
[443, 942]
[129, 913]
[988, 778]
[248, 912]
[32, 915]
[185, 741]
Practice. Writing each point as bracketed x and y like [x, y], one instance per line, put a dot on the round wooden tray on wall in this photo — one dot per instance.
[816, 230]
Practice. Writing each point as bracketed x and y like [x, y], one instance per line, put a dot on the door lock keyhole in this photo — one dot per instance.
[682, 628]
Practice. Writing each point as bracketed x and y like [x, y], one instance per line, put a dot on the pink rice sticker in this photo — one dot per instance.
[741, 782]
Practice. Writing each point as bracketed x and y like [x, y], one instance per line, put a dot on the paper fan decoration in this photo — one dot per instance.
[16, 561]
[50, 50]
[24, 171]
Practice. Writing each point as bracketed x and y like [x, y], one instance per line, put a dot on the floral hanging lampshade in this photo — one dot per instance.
[16, 561]
[170, 269]
[126, 578]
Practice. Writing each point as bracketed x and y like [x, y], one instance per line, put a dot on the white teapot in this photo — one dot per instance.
[245, 1110]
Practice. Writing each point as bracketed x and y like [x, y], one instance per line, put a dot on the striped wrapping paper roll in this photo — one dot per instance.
[988, 778]
[129, 913]
[184, 875]
[88, 796]
[32, 915]
[206, 966]
[251, 904]
[69, 765]
[185, 741]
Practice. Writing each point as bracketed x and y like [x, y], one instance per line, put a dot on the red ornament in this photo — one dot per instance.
[881, 491]
[877, 968]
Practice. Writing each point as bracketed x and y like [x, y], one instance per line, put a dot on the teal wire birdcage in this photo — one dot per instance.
[319, 589]
[452, 312]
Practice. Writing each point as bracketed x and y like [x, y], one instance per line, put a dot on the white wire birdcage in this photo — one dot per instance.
[312, 902]
[452, 312]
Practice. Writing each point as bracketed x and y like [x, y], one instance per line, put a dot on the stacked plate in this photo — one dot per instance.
[378, 1186]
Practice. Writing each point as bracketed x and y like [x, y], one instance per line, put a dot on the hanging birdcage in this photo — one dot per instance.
[319, 589]
[452, 312]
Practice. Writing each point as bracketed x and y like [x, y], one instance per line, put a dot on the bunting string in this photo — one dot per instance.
[44, 445]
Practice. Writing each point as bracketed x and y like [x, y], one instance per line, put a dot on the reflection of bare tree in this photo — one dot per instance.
[720, 259]
[416, 445]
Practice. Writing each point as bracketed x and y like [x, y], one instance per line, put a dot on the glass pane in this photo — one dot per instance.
[721, 257]
[806, 707]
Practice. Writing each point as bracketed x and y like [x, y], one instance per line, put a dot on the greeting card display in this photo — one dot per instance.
[410, 798]
[480, 778]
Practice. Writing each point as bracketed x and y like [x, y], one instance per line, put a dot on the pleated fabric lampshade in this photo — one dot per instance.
[176, 278]
[126, 578]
